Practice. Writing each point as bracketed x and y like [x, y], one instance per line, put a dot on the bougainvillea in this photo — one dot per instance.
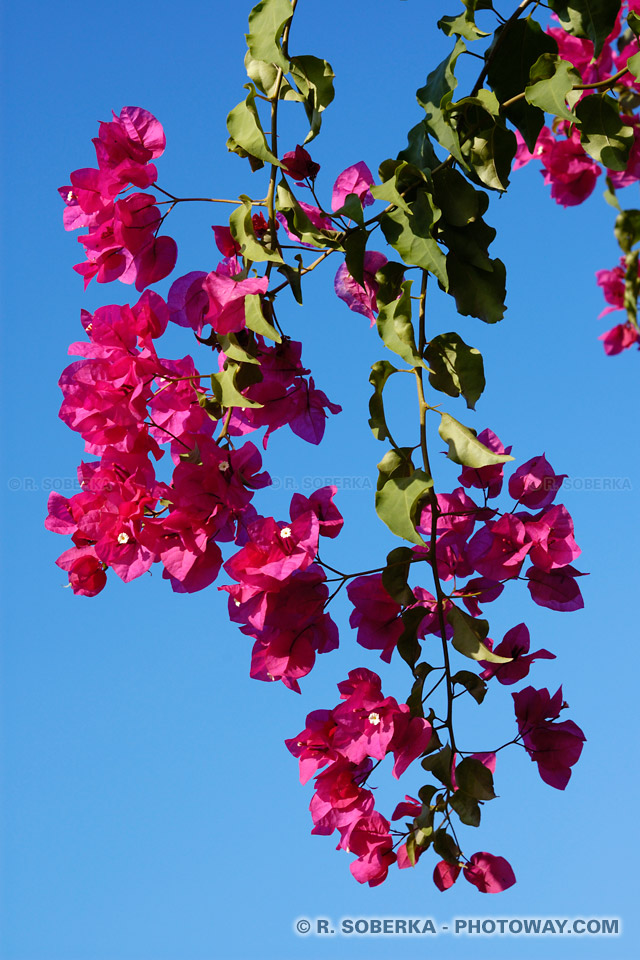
[175, 478]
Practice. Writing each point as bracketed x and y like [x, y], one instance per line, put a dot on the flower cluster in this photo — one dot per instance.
[570, 171]
[122, 240]
[365, 726]
[280, 594]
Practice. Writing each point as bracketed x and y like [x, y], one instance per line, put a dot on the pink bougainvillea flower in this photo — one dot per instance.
[376, 615]
[611, 282]
[555, 747]
[553, 542]
[361, 299]
[620, 338]
[477, 591]
[299, 165]
[445, 874]
[535, 484]
[355, 179]
[570, 171]
[499, 549]
[226, 300]
[409, 807]
[490, 874]
[188, 301]
[515, 645]
[371, 841]
[556, 589]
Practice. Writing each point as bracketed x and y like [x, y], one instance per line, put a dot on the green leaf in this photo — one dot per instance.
[355, 246]
[294, 276]
[474, 779]
[234, 350]
[398, 501]
[243, 233]
[459, 202]
[436, 94]
[627, 229]
[631, 288]
[225, 389]
[466, 807]
[464, 446]
[408, 644]
[439, 764]
[245, 131]
[425, 793]
[633, 64]
[591, 19]
[395, 463]
[255, 319]
[352, 209]
[411, 235]
[456, 368]
[299, 223]
[396, 330]
[421, 671]
[472, 683]
[520, 46]
[266, 77]
[468, 634]
[419, 150]
[395, 575]
[380, 373]
[551, 81]
[478, 292]
[314, 79]
[445, 846]
[462, 26]
[487, 147]
[603, 134]
[267, 21]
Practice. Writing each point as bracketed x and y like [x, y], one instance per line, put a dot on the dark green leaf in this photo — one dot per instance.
[603, 134]
[439, 764]
[421, 671]
[474, 779]
[631, 288]
[478, 292]
[468, 634]
[408, 644]
[456, 368]
[466, 807]
[459, 202]
[419, 150]
[352, 209]
[591, 19]
[398, 502]
[426, 793]
[395, 575]
[445, 846]
[520, 46]
[380, 373]
[395, 327]
[436, 94]
[294, 276]
[472, 683]
[355, 246]
[411, 235]
[627, 229]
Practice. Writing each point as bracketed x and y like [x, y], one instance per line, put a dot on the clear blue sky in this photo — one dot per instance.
[151, 810]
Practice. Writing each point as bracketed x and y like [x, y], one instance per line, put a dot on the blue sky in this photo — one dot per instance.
[151, 811]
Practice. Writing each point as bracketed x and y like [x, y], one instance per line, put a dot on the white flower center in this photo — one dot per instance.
[237, 603]
[123, 537]
[285, 533]
[374, 718]
[70, 196]
[223, 466]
